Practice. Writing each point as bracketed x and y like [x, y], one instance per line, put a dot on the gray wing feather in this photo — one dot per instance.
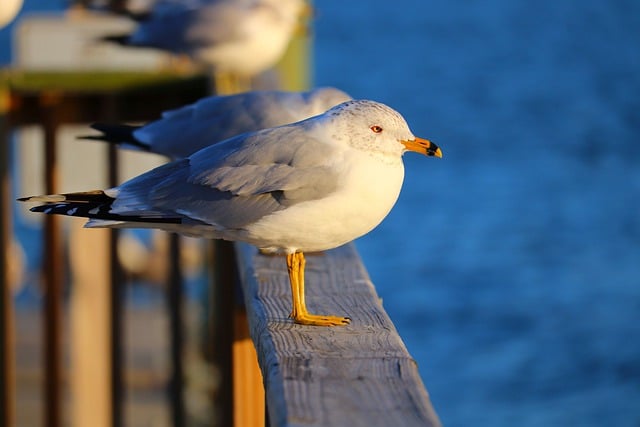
[238, 181]
[214, 119]
[183, 131]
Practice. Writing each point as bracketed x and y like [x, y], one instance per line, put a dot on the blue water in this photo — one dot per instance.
[511, 266]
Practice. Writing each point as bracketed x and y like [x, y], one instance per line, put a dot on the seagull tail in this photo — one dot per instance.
[95, 205]
[117, 134]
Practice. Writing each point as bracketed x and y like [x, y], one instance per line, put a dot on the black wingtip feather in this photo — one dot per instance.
[116, 134]
[94, 205]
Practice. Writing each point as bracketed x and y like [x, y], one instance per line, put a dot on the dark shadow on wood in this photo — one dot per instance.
[174, 306]
[222, 312]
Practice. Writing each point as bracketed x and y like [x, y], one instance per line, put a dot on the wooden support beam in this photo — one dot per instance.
[240, 399]
[248, 391]
[356, 375]
[222, 324]
[176, 328]
[7, 348]
[90, 327]
[53, 269]
[117, 286]
[50, 100]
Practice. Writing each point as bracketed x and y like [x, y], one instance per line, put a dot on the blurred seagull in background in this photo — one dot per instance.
[303, 187]
[183, 131]
[234, 39]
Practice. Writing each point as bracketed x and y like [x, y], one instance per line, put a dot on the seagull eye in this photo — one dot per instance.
[376, 129]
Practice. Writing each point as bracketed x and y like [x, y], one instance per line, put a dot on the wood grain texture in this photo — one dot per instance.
[355, 375]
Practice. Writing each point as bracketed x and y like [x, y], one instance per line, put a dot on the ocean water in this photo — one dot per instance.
[511, 267]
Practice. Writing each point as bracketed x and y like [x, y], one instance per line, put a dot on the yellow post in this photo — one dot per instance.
[294, 68]
[248, 391]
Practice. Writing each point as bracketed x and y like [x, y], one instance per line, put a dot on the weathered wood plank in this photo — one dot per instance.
[357, 375]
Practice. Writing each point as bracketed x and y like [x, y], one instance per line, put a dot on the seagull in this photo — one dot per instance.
[183, 131]
[309, 186]
[242, 38]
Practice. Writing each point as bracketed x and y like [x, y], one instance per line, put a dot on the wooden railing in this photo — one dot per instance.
[355, 375]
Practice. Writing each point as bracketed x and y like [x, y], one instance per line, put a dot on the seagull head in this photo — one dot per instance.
[376, 127]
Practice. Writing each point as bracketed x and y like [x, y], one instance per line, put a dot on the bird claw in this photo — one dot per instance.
[319, 320]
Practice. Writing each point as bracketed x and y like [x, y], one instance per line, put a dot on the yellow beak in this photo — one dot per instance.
[423, 146]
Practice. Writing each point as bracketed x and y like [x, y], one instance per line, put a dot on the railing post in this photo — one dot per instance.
[241, 399]
[174, 305]
[248, 390]
[117, 290]
[53, 270]
[7, 357]
[50, 108]
[222, 324]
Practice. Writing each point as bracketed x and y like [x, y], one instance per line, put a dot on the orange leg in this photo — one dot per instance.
[299, 314]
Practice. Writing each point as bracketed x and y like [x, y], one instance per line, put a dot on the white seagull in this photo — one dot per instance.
[308, 186]
[183, 131]
[235, 37]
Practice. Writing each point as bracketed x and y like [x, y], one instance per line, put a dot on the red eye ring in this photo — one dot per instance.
[376, 129]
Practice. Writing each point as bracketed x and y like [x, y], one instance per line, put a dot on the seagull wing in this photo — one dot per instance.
[183, 131]
[237, 182]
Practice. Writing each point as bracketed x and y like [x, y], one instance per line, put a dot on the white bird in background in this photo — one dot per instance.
[8, 11]
[304, 187]
[185, 130]
[241, 38]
